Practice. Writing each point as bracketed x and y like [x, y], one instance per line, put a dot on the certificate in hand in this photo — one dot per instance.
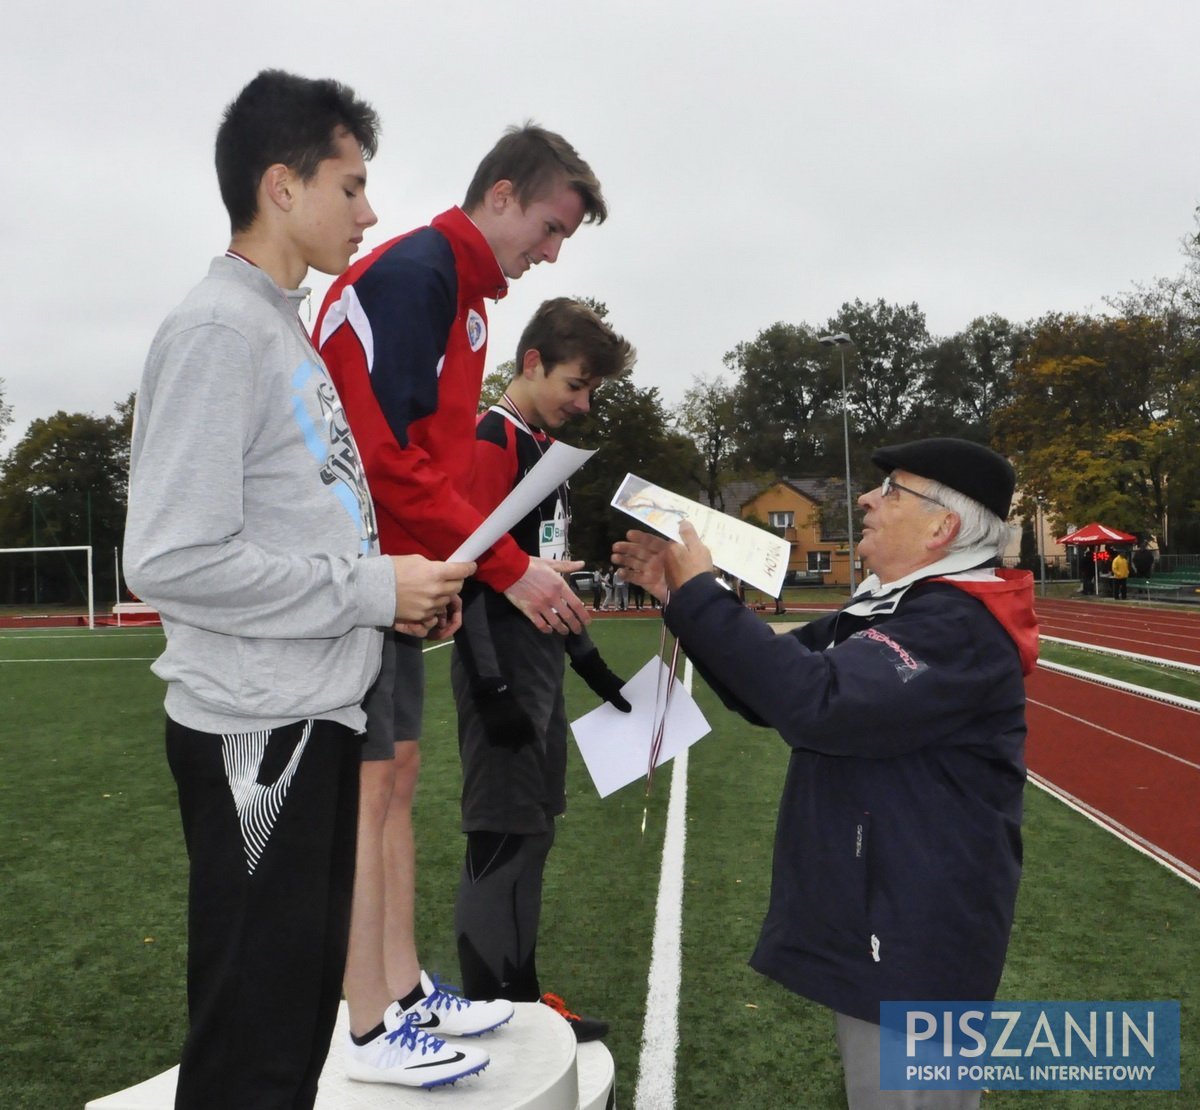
[552, 469]
[755, 556]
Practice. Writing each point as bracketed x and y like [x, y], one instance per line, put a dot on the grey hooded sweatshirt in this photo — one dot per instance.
[250, 527]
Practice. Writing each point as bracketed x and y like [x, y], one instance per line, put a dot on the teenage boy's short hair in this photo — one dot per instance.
[282, 118]
[534, 160]
[564, 329]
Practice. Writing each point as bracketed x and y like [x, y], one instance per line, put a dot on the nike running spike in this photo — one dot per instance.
[448, 1014]
[403, 1055]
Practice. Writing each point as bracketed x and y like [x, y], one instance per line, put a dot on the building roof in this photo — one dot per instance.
[736, 495]
[733, 495]
[820, 491]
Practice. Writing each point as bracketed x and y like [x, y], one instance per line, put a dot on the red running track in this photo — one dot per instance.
[1131, 760]
[1165, 633]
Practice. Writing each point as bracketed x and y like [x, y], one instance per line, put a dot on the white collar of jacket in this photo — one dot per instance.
[874, 598]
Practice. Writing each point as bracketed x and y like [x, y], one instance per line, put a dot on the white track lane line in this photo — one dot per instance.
[1112, 732]
[655, 1088]
[1187, 873]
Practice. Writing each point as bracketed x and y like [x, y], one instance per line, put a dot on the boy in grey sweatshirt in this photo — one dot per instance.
[251, 530]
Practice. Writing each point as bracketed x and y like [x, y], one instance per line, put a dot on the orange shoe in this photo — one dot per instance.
[585, 1028]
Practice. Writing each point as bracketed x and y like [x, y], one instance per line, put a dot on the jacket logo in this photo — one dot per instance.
[906, 666]
[476, 330]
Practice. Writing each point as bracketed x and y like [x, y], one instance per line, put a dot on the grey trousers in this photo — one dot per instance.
[858, 1042]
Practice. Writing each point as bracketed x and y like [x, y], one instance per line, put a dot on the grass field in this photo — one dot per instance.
[92, 916]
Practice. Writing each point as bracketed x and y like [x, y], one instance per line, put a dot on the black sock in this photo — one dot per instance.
[414, 996]
[367, 1038]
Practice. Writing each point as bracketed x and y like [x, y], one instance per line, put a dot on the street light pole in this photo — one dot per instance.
[841, 341]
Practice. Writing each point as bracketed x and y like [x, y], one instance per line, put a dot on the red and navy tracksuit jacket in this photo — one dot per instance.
[404, 335]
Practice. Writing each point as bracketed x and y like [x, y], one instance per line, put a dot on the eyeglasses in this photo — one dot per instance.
[889, 483]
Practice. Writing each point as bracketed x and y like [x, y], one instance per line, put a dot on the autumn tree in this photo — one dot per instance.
[63, 484]
[969, 376]
[886, 375]
[1173, 382]
[781, 389]
[631, 429]
[1085, 424]
[707, 414]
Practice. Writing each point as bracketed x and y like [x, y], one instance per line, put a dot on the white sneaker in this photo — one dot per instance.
[406, 1056]
[445, 1012]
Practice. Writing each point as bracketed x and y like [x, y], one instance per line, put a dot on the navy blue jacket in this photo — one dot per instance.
[898, 845]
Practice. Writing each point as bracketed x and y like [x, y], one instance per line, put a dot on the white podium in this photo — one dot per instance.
[536, 1065]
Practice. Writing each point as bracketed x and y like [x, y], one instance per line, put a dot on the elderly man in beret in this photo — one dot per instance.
[898, 846]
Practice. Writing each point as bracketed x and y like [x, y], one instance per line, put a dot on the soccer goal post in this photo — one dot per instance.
[33, 552]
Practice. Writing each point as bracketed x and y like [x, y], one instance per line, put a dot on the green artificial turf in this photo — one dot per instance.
[94, 874]
[1170, 680]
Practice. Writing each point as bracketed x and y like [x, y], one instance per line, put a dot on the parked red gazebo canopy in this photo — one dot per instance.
[1097, 534]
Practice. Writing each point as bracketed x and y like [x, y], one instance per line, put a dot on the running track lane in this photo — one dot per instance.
[1134, 759]
[1172, 634]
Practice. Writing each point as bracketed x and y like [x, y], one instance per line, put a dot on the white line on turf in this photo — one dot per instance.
[55, 634]
[92, 659]
[660, 1034]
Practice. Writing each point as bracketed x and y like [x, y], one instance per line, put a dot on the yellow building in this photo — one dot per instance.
[810, 513]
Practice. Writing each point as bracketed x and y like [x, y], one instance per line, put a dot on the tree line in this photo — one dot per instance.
[1099, 412]
[64, 484]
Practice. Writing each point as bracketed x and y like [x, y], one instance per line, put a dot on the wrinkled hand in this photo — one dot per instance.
[660, 565]
[425, 590]
[596, 673]
[688, 558]
[546, 598]
[640, 553]
[505, 723]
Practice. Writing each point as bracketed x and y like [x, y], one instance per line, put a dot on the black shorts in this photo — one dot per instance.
[396, 703]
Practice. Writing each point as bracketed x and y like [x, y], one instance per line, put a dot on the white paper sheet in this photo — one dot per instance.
[552, 469]
[616, 746]
[749, 553]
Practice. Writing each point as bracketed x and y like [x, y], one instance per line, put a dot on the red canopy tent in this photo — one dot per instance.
[1097, 534]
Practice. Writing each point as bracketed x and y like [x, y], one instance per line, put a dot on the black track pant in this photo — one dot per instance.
[497, 914]
[270, 820]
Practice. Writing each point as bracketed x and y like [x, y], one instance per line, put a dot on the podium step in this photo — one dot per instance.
[597, 1077]
[536, 1065]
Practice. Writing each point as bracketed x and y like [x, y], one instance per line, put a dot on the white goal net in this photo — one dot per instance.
[47, 583]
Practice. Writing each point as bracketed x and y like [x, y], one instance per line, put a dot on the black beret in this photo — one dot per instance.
[970, 468]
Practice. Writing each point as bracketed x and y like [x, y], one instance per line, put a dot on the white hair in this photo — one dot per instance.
[978, 526]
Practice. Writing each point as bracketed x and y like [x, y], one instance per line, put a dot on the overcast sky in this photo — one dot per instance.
[763, 160]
